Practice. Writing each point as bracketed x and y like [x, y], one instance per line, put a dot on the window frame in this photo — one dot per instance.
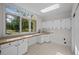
[20, 24]
[5, 22]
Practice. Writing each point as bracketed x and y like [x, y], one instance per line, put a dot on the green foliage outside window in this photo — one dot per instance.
[12, 24]
[33, 25]
[25, 25]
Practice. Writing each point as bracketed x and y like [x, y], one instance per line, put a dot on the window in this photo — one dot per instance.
[12, 24]
[12, 10]
[33, 25]
[17, 23]
[25, 25]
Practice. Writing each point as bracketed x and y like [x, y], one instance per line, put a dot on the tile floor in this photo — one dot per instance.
[49, 49]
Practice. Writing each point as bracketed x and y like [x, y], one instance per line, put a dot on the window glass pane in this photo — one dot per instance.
[12, 24]
[25, 25]
[11, 9]
[33, 26]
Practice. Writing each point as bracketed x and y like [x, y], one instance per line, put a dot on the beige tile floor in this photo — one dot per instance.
[49, 49]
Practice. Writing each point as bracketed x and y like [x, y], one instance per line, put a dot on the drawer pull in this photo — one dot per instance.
[9, 43]
[0, 51]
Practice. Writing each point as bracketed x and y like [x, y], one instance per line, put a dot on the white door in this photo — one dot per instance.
[75, 31]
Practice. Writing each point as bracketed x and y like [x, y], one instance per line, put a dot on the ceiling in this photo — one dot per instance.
[63, 12]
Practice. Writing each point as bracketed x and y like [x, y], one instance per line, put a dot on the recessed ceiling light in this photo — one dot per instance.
[50, 8]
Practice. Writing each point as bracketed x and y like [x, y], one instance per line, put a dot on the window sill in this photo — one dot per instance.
[19, 34]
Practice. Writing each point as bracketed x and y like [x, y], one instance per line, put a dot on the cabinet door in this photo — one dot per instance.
[42, 40]
[0, 50]
[38, 39]
[51, 37]
[11, 50]
[26, 45]
[32, 41]
[45, 38]
[22, 47]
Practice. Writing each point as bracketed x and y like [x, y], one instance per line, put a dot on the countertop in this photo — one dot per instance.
[4, 40]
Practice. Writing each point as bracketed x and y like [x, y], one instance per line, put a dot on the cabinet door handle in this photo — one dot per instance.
[9, 43]
[18, 44]
[0, 51]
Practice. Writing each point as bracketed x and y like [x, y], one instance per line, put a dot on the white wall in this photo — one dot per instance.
[57, 24]
[60, 28]
[59, 36]
[2, 24]
[75, 31]
[39, 23]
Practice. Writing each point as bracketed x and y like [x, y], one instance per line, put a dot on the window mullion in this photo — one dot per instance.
[30, 25]
[20, 24]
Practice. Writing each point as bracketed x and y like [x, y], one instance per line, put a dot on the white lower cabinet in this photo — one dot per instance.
[22, 47]
[44, 38]
[38, 39]
[9, 49]
[32, 41]
[14, 48]
[51, 37]
[0, 50]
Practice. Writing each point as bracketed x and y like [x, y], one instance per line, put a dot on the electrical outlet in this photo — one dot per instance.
[64, 42]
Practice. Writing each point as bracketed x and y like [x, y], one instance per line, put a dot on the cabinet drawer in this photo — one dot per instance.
[45, 35]
[5, 45]
[8, 44]
[14, 43]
